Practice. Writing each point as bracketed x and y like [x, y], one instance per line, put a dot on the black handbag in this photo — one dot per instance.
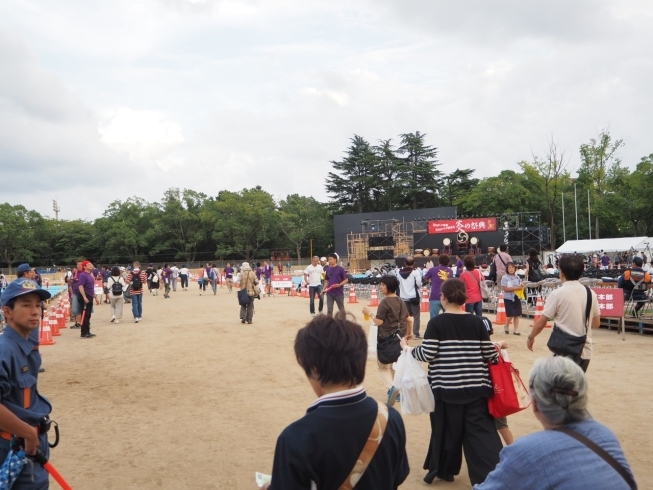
[416, 300]
[388, 349]
[243, 297]
[563, 344]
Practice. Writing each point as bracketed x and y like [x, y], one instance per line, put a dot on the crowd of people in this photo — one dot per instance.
[365, 441]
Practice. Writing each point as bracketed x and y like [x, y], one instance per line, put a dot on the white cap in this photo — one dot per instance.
[323, 259]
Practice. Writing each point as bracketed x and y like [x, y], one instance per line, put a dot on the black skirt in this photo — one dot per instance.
[513, 307]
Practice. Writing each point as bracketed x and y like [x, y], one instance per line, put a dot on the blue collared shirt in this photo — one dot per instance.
[20, 361]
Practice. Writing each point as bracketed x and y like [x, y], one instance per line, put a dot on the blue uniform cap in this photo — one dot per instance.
[22, 268]
[22, 286]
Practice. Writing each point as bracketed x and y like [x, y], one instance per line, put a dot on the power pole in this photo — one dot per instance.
[56, 209]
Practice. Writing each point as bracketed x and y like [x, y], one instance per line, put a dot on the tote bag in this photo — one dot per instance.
[510, 393]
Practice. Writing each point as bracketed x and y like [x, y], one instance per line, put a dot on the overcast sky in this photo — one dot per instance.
[104, 100]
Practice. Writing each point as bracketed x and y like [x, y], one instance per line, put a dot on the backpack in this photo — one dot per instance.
[492, 276]
[137, 283]
[116, 287]
[155, 278]
[535, 270]
[212, 275]
[488, 325]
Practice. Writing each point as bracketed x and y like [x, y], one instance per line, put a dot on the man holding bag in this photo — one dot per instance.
[576, 311]
[248, 291]
[410, 282]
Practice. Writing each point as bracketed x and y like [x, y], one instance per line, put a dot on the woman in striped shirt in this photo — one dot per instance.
[457, 347]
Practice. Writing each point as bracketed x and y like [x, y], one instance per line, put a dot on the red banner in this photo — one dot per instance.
[611, 301]
[467, 225]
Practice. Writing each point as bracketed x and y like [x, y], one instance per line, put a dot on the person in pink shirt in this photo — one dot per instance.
[472, 278]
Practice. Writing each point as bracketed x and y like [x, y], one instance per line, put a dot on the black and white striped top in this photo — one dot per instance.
[457, 348]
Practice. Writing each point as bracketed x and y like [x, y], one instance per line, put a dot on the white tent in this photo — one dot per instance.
[604, 244]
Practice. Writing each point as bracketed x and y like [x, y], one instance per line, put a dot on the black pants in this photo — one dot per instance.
[457, 427]
[312, 291]
[87, 310]
[184, 280]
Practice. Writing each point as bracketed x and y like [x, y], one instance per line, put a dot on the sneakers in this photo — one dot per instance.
[76, 325]
[393, 396]
[136, 320]
[417, 336]
[242, 320]
[117, 322]
[87, 336]
[113, 319]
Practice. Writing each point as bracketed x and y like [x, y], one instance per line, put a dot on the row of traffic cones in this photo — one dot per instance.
[501, 318]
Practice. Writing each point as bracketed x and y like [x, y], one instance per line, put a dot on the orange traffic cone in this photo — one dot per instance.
[52, 319]
[61, 320]
[282, 291]
[424, 305]
[539, 309]
[501, 311]
[374, 299]
[352, 295]
[45, 338]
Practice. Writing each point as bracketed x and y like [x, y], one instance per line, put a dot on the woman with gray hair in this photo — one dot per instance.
[574, 451]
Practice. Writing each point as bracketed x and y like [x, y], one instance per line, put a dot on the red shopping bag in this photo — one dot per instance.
[510, 393]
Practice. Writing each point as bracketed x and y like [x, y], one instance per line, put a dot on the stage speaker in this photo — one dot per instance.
[381, 241]
[380, 254]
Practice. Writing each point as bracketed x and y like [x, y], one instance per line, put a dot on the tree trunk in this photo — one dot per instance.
[299, 253]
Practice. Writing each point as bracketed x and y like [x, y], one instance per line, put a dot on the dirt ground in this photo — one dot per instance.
[192, 399]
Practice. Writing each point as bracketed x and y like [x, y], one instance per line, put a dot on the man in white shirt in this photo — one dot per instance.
[567, 305]
[313, 277]
[175, 275]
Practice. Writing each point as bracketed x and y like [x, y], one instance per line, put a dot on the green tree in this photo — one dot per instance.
[351, 188]
[243, 223]
[418, 174]
[507, 193]
[385, 191]
[456, 185]
[179, 226]
[302, 218]
[547, 175]
[597, 159]
[69, 241]
[126, 229]
[19, 233]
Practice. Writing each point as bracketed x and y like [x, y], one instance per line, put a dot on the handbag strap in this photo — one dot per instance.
[607, 457]
[500, 258]
[369, 450]
[588, 308]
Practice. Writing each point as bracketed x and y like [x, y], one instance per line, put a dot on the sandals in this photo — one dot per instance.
[517, 333]
[506, 331]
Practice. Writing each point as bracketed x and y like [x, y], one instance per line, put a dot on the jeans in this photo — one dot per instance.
[214, 285]
[339, 300]
[137, 305]
[435, 308]
[184, 280]
[312, 291]
[475, 308]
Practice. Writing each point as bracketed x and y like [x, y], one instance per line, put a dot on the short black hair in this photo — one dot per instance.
[503, 247]
[11, 303]
[21, 274]
[532, 253]
[333, 256]
[444, 259]
[469, 262]
[335, 347]
[572, 267]
[115, 271]
[410, 261]
[391, 282]
[455, 291]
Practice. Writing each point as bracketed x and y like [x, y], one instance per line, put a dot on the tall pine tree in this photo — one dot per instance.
[419, 175]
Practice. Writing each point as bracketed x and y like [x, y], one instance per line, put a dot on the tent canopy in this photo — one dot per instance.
[604, 244]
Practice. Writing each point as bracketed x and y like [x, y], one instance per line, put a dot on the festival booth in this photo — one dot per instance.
[610, 245]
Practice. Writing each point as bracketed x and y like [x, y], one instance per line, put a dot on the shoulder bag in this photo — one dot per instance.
[369, 450]
[606, 456]
[416, 300]
[510, 394]
[563, 344]
[485, 291]
[388, 348]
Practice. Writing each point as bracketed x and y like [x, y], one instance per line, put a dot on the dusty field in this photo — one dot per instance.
[192, 399]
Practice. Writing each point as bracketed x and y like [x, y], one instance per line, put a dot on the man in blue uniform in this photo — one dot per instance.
[22, 408]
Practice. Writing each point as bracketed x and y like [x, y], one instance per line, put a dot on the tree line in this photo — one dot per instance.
[189, 226]
[185, 226]
[386, 177]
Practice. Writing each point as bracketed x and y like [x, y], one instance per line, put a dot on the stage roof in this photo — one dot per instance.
[604, 244]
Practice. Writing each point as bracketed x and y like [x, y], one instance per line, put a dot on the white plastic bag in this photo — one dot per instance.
[410, 378]
[371, 340]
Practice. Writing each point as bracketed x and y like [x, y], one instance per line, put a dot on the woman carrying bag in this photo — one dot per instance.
[248, 283]
[510, 284]
[391, 318]
[457, 347]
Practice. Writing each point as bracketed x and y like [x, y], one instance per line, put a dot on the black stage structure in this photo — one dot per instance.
[426, 233]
